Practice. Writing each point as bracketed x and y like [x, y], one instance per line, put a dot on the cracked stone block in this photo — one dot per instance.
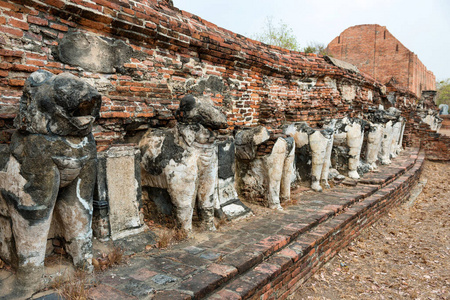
[162, 279]
[119, 173]
[228, 200]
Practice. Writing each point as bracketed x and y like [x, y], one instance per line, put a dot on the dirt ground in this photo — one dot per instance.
[405, 255]
[445, 131]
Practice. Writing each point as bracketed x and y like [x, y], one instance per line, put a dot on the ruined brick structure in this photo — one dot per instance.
[375, 51]
[144, 56]
[168, 53]
[164, 53]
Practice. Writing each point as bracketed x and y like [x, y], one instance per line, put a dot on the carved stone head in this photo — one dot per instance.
[200, 111]
[57, 104]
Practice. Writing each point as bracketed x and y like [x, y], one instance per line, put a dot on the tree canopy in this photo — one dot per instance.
[443, 92]
[278, 35]
[283, 36]
[315, 47]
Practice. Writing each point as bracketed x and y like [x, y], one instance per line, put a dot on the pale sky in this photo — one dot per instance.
[423, 26]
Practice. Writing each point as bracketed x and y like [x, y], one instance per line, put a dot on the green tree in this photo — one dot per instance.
[443, 92]
[316, 47]
[278, 35]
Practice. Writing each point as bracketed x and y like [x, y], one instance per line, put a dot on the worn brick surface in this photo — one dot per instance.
[272, 265]
[176, 53]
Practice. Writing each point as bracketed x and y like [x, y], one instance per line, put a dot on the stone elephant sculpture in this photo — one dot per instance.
[264, 173]
[349, 132]
[443, 109]
[376, 127]
[392, 131]
[51, 170]
[374, 138]
[183, 159]
[397, 135]
[319, 143]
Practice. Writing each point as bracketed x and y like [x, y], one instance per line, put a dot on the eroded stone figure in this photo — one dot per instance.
[266, 175]
[320, 144]
[183, 159]
[375, 132]
[350, 132]
[443, 109]
[51, 171]
[397, 133]
[391, 128]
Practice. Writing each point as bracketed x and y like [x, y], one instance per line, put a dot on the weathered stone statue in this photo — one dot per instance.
[391, 117]
[430, 117]
[349, 132]
[267, 175]
[183, 159]
[428, 111]
[51, 171]
[397, 133]
[443, 109]
[319, 143]
[374, 138]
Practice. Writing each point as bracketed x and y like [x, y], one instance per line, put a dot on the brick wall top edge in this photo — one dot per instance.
[377, 26]
[159, 21]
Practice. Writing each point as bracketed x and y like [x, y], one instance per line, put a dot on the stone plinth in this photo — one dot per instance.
[117, 205]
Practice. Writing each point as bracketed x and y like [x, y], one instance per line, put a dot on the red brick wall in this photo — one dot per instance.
[419, 134]
[177, 53]
[375, 51]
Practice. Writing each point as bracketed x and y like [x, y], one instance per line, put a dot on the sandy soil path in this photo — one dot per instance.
[405, 255]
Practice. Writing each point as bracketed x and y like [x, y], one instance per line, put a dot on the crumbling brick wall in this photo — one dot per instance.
[163, 53]
[375, 51]
[435, 145]
[173, 53]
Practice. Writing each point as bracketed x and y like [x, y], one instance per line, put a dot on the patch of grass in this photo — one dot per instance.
[170, 236]
[221, 222]
[106, 261]
[74, 288]
[164, 239]
[179, 235]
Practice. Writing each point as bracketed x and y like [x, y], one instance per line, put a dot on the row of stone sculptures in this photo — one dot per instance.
[49, 169]
[275, 171]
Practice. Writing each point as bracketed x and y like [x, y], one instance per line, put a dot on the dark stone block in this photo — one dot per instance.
[303, 162]
[93, 53]
[202, 283]
[136, 243]
[162, 279]
[4, 156]
[162, 200]
[226, 158]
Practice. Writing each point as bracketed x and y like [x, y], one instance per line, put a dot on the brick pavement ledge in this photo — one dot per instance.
[266, 258]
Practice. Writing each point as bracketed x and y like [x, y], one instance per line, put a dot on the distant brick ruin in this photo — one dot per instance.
[376, 52]
[182, 96]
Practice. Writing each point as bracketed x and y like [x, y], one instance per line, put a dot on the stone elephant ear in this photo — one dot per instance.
[28, 107]
[247, 141]
[201, 111]
[57, 104]
[38, 78]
